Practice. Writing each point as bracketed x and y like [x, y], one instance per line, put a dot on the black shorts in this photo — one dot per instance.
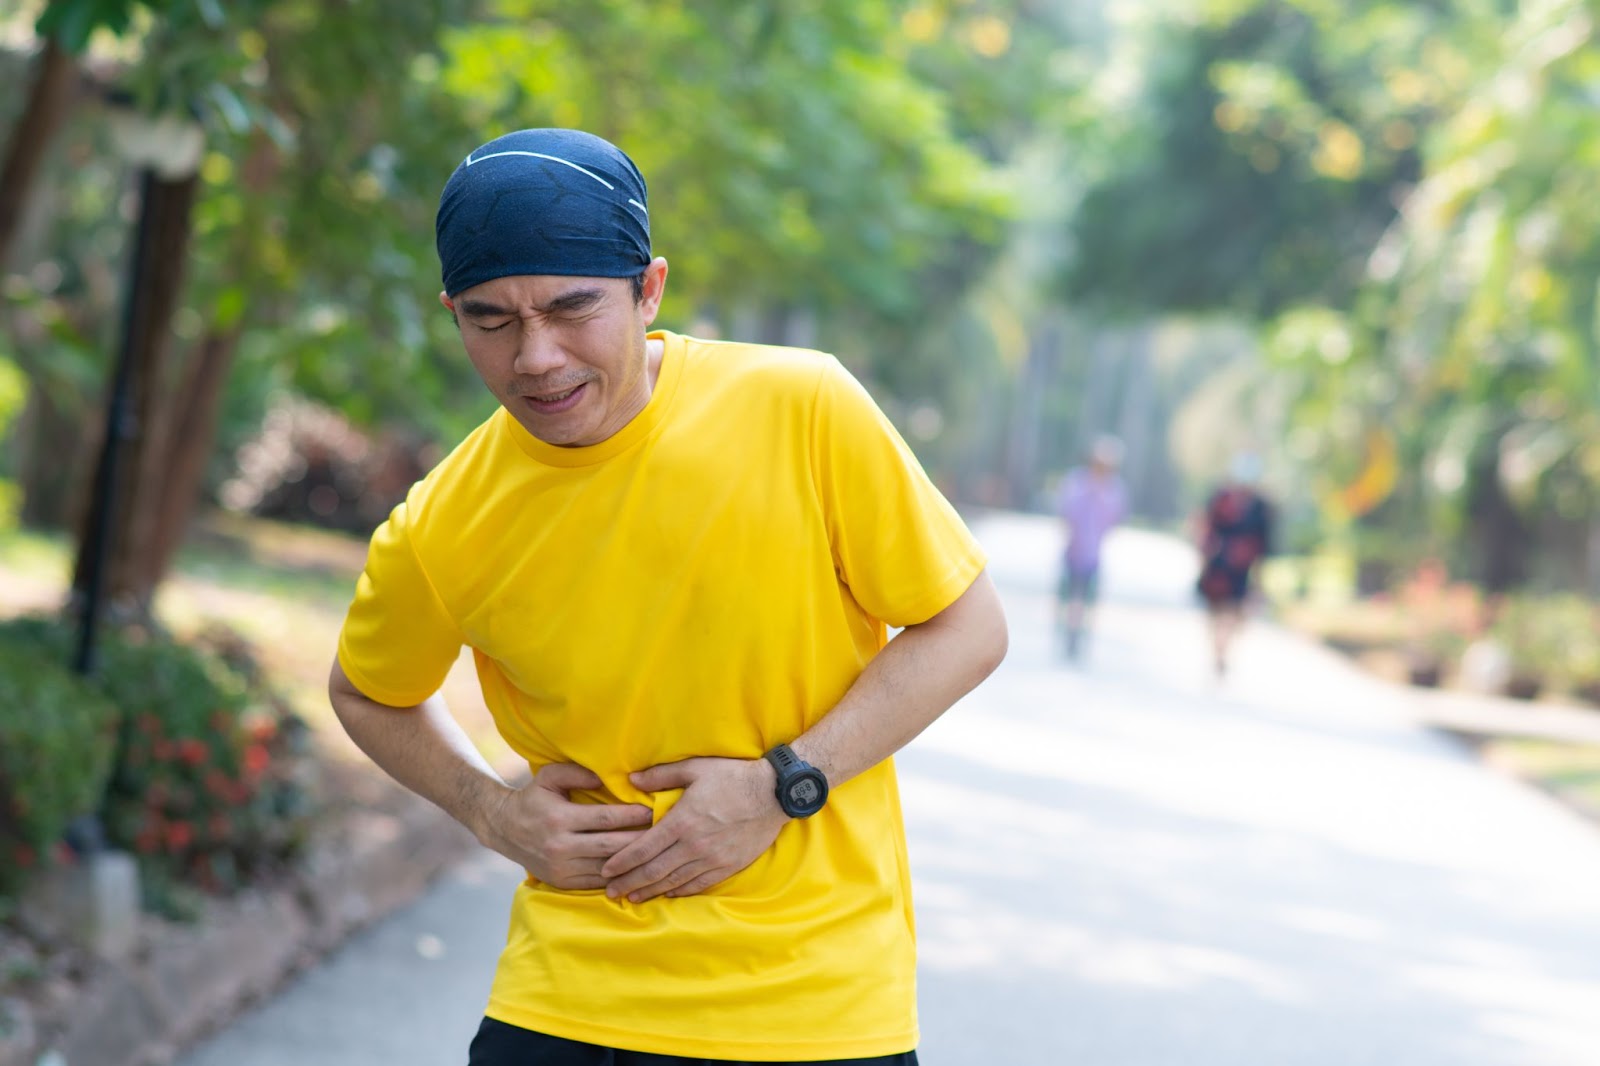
[499, 1044]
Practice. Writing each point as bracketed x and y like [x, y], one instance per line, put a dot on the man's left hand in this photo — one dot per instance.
[725, 819]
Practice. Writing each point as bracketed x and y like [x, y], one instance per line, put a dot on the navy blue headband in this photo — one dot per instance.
[545, 201]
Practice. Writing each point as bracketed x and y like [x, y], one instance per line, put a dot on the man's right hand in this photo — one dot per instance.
[560, 842]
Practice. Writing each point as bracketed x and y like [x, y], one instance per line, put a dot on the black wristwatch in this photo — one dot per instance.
[802, 788]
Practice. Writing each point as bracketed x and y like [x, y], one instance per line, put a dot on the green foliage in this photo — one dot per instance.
[1554, 638]
[57, 736]
[207, 788]
[1252, 170]
[13, 390]
[73, 22]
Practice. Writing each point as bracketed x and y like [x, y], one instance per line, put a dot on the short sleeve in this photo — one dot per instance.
[897, 543]
[398, 640]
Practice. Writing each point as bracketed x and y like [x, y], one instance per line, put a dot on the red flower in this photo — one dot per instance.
[147, 840]
[193, 751]
[256, 759]
[263, 730]
[165, 749]
[25, 856]
[179, 835]
[149, 723]
[217, 783]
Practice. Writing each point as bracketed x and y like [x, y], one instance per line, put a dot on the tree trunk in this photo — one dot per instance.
[136, 470]
[1027, 418]
[1501, 534]
[49, 100]
[194, 412]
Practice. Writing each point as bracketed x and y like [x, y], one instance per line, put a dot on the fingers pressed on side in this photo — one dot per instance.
[601, 846]
[600, 817]
[681, 875]
[562, 776]
[665, 776]
[674, 868]
[649, 846]
[647, 873]
[699, 884]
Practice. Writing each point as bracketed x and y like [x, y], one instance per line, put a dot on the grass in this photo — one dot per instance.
[1571, 771]
[37, 555]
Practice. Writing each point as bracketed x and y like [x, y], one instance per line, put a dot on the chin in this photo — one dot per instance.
[553, 432]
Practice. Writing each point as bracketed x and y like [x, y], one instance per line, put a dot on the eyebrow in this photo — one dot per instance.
[575, 300]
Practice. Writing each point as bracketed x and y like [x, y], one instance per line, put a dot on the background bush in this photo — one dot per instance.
[208, 786]
[57, 737]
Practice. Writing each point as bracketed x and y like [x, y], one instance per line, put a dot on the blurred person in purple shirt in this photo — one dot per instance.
[1091, 502]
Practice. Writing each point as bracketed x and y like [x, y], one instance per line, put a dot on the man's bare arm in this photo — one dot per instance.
[728, 815]
[424, 748]
[915, 679]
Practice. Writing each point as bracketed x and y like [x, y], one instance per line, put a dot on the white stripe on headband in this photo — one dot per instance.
[567, 162]
[541, 155]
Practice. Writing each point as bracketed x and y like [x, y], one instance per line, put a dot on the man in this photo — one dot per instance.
[674, 561]
[1091, 503]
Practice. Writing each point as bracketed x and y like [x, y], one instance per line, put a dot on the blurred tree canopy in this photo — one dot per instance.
[825, 172]
[1401, 198]
[1362, 236]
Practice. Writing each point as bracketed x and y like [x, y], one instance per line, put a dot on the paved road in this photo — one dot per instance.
[1128, 864]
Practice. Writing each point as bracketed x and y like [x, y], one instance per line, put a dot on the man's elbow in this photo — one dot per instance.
[995, 640]
[985, 633]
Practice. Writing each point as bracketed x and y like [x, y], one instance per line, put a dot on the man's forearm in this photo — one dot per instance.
[914, 680]
[423, 748]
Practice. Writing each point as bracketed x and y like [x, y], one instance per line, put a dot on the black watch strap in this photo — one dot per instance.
[802, 789]
[784, 760]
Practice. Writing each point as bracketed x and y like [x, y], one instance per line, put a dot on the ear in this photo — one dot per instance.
[449, 304]
[655, 286]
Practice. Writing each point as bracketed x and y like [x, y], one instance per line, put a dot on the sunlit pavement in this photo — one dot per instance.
[1130, 864]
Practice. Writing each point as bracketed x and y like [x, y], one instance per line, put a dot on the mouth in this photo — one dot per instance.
[553, 403]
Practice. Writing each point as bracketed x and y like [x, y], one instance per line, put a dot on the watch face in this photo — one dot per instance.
[805, 795]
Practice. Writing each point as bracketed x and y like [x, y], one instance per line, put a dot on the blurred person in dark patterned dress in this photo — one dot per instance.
[1235, 534]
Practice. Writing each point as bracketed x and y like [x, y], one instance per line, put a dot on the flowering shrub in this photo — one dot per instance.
[56, 741]
[207, 788]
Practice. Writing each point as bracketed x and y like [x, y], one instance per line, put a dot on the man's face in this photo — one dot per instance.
[566, 356]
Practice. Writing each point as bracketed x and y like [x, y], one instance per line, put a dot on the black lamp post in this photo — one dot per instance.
[166, 147]
[120, 428]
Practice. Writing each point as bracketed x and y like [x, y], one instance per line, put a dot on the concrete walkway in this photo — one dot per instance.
[1127, 864]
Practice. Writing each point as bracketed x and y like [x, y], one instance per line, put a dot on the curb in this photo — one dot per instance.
[187, 981]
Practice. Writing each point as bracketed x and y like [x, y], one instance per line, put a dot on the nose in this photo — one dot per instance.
[538, 352]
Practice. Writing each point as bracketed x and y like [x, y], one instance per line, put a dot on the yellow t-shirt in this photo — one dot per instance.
[708, 581]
